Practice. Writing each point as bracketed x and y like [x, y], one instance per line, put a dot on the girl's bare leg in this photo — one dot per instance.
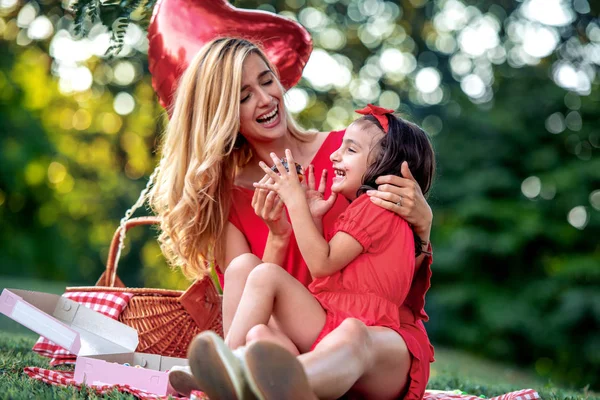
[271, 291]
[265, 333]
[236, 276]
[372, 361]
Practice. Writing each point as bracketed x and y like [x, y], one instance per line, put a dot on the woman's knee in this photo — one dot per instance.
[357, 339]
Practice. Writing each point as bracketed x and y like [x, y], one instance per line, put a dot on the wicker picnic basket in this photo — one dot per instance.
[166, 320]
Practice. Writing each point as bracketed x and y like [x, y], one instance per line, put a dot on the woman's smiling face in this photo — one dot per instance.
[262, 111]
[351, 160]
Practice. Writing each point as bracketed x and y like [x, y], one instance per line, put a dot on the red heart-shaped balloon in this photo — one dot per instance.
[179, 28]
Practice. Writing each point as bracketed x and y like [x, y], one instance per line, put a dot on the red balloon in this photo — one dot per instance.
[179, 28]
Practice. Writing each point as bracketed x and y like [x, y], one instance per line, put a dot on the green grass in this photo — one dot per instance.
[452, 369]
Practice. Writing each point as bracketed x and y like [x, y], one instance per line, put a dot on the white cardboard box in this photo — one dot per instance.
[101, 344]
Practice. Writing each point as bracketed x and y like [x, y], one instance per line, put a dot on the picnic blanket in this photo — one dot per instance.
[112, 304]
[65, 378]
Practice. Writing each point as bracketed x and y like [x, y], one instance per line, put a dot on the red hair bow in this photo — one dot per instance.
[379, 113]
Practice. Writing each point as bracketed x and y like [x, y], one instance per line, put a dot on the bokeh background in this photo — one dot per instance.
[507, 89]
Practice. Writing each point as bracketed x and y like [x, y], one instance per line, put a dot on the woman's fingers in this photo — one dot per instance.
[395, 180]
[278, 208]
[388, 205]
[259, 194]
[392, 193]
[406, 172]
[399, 197]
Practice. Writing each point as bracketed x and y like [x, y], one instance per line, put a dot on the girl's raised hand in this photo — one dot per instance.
[404, 197]
[270, 208]
[316, 197]
[286, 182]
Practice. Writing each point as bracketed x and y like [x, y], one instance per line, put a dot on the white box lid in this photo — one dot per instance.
[67, 323]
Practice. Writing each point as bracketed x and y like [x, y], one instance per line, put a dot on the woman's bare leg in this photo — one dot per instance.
[372, 361]
[236, 275]
[271, 291]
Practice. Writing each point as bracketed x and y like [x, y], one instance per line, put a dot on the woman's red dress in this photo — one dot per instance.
[353, 291]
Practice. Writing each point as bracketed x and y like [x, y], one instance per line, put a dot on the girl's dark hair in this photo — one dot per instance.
[404, 141]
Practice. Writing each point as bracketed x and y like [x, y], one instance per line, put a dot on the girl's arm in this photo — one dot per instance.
[322, 258]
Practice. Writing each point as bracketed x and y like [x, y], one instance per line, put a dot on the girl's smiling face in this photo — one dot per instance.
[351, 160]
[262, 113]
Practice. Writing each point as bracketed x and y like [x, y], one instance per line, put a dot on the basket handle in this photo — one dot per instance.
[109, 276]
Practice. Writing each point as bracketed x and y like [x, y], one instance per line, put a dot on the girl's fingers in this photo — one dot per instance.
[303, 182]
[278, 165]
[323, 183]
[311, 177]
[332, 198]
[266, 186]
[272, 174]
[291, 164]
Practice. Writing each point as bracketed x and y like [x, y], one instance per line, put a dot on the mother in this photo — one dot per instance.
[228, 115]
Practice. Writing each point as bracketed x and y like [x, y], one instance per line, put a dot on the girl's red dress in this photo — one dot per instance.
[380, 287]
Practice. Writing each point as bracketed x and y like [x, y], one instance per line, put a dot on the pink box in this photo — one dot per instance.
[102, 344]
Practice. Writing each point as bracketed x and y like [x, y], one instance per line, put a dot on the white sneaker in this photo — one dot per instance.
[216, 369]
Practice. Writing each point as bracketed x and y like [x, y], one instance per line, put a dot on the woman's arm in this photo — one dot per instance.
[269, 207]
[404, 197]
[235, 245]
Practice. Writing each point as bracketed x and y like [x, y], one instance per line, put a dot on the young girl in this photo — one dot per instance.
[366, 270]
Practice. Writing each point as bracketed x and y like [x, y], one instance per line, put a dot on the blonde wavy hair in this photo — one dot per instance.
[202, 151]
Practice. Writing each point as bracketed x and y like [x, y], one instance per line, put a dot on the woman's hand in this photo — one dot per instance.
[269, 207]
[286, 183]
[404, 197]
[316, 197]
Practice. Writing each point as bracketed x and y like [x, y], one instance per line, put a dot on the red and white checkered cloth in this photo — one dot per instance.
[525, 394]
[110, 304]
[65, 378]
